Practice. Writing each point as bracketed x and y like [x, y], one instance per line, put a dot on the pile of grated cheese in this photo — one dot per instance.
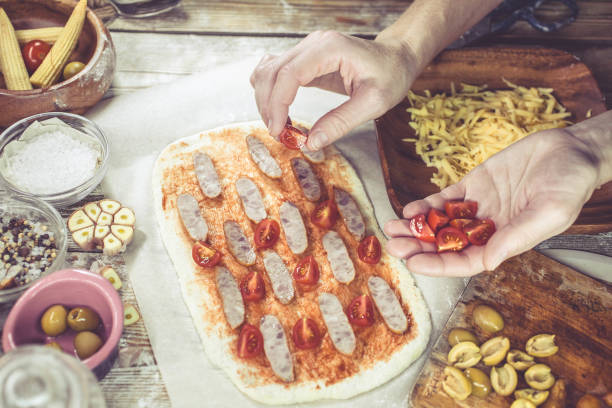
[456, 133]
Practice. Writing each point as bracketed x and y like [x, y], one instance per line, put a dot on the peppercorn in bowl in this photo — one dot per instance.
[33, 243]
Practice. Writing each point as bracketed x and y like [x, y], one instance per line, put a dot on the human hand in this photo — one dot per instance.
[532, 190]
[376, 75]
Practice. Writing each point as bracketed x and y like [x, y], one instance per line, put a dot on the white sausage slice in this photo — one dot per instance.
[307, 179]
[251, 199]
[313, 156]
[238, 243]
[293, 226]
[338, 326]
[338, 257]
[350, 213]
[262, 157]
[233, 305]
[282, 284]
[387, 304]
[276, 348]
[206, 174]
[189, 210]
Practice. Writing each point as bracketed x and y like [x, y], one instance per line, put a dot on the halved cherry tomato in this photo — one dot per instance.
[437, 219]
[252, 287]
[369, 250]
[293, 138]
[266, 233]
[361, 311]
[205, 255]
[325, 214]
[451, 239]
[306, 273]
[34, 53]
[461, 209]
[479, 231]
[459, 223]
[250, 341]
[306, 334]
[420, 229]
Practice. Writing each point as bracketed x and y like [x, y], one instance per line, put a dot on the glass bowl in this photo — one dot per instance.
[34, 209]
[75, 194]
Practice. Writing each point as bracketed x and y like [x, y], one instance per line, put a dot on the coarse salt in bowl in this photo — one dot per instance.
[58, 164]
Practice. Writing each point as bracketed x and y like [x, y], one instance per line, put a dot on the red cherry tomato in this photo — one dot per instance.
[307, 273]
[459, 223]
[34, 53]
[420, 229]
[325, 214]
[205, 255]
[437, 219]
[361, 311]
[461, 209]
[369, 250]
[266, 233]
[479, 231]
[293, 138]
[451, 239]
[250, 341]
[306, 334]
[252, 287]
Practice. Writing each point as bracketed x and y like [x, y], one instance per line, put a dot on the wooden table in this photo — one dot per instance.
[202, 34]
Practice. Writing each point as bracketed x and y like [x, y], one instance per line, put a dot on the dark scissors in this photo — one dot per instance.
[511, 11]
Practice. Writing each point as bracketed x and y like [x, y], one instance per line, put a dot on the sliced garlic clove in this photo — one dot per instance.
[124, 232]
[125, 216]
[110, 206]
[104, 219]
[111, 275]
[79, 220]
[84, 238]
[130, 315]
[112, 245]
[92, 210]
[100, 233]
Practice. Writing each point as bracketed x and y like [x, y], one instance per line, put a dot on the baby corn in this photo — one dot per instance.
[47, 34]
[13, 67]
[52, 65]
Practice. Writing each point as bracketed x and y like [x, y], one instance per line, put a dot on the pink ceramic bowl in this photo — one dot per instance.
[68, 287]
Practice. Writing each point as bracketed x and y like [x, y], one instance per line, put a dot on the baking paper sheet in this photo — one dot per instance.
[139, 126]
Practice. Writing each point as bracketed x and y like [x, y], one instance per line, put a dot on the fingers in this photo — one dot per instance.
[465, 263]
[330, 82]
[405, 247]
[454, 192]
[398, 228]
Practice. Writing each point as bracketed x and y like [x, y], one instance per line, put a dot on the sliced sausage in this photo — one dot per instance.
[282, 284]
[189, 210]
[338, 257]
[294, 228]
[238, 243]
[251, 199]
[350, 213]
[262, 157]
[276, 348]
[387, 304]
[313, 156]
[233, 305]
[306, 178]
[206, 174]
[338, 326]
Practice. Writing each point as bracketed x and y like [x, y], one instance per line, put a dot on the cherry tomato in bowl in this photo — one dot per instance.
[34, 52]
[307, 273]
[252, 287]
[360, 311]
[250, 341]
[369, 250]
[306, 334]
[325, 214]
[451, 239]
[461, 209]
[479, 231]
[267, 232]
[420, 229]
[205, 255]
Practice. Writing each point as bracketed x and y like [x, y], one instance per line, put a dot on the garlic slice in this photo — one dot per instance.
[111, 275]
[112, 245]
[130, 314]
[104, 219]
[101, 232]
[92, 210]
[125, 216]
[84, 238]
[110, 206]
[79, 220]
[123, 232]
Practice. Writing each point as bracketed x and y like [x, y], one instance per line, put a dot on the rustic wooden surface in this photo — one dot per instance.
[534, 294]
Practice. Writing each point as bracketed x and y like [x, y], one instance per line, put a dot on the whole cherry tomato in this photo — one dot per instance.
[34, 53]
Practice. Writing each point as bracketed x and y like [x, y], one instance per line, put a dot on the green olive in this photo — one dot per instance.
[83, 318]
[73, 68]
[481, 385]
[488, 319]
[53, 321]
[457, 335]
[86, 344]
[54, 345]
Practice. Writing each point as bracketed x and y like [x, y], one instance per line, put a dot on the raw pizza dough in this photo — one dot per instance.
[321, 373]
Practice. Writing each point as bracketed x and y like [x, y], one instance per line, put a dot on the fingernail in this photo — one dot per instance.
[318, 140]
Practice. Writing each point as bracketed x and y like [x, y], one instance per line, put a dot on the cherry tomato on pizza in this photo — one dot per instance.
[360, 311]
[267, 232]
[479, 231]
[325, 214]
[306, 334]
[420, 229]
[293, 138]
[205, 255]
[307, 273]
[459, 223]
[34, 52]
[451, 239]
[461, 209]
[250, 341]
[252, 287]
[369, 250]
[437, 219]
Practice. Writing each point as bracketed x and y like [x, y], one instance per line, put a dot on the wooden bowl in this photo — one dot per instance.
[76, 94]
[407, 177]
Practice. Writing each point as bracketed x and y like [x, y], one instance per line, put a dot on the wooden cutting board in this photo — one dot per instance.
[535, 295]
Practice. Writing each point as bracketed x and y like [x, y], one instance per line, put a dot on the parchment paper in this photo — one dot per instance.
[139, 126]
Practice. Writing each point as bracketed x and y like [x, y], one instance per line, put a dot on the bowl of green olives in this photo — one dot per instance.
[72, 310]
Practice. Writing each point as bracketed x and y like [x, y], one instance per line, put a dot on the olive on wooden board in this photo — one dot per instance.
[494, 350]
[487, 319]
[539, 377]
[535, 396]
[522, 403]
[519, 360]
[481, 385]
[86, 343]
[458, 335]
[504, 379]
[557, 396]
[53, 320]
[83, 318]
[463, 355]
[455, 384]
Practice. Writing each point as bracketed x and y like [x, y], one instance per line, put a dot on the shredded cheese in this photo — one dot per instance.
[456, 133]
